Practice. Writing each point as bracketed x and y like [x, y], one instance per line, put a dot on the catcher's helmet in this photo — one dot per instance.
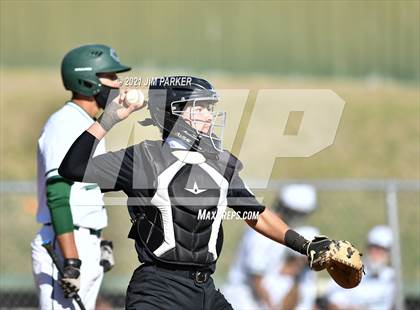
[81, 65]
[168, 97]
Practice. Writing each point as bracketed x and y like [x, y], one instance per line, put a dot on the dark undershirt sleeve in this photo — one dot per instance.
[240, 198]
[112, 171]
[74, 164]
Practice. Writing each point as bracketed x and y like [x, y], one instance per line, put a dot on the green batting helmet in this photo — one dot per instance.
[81, 65]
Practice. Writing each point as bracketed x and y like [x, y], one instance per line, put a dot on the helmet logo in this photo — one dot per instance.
[83, 69]
[114, 55]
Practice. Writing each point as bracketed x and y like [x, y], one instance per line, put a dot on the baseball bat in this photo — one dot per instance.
[48, 246]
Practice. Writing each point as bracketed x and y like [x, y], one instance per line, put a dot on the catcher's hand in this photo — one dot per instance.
[107, 255]
[317, 252]
[340, 258]
[70, 282]
[115, 111]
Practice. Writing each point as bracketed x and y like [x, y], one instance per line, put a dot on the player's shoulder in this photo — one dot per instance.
[65, 117]
[230, 160]
[150, 144]
[147, 146]
[147, 149]
[54, 126]
[63, 126]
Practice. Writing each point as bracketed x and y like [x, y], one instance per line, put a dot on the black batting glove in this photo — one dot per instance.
[70, 281]
[107, 255]
[317, 252]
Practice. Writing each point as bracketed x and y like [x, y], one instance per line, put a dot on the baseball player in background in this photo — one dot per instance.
[291, 284]
[377, 289]
[72, 214]
[258, 256]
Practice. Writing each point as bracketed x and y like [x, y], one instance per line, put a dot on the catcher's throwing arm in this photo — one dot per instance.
[48, 246]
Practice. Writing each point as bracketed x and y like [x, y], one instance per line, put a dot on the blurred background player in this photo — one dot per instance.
[258, 255]
[292, 285]
[72, 213]
[377, 289]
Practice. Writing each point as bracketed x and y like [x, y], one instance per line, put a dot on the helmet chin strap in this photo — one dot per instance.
[215, 141]
[188, 135]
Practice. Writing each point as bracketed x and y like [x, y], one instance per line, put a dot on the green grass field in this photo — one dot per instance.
[322, 38]
[377, 138]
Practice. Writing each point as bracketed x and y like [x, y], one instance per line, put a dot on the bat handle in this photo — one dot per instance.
[50, 249]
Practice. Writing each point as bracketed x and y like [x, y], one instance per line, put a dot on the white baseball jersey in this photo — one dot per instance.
[259, 255]
[256, 255]
[58, 134]
[375, 292]
[278, 285]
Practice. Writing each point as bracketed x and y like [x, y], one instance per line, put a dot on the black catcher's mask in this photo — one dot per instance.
[169, 96]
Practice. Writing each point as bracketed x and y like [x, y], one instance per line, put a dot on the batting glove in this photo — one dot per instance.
[107, 255]
[70, 282]
[317, 252]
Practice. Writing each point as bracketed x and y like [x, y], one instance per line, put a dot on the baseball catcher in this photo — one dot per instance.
[169, 182]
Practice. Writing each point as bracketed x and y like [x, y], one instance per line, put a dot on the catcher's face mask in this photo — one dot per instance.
[199, 114]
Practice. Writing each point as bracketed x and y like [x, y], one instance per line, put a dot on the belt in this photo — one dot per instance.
[95, 232]
[199, 276]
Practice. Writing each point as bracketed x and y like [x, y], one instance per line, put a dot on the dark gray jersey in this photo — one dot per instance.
[167, 189]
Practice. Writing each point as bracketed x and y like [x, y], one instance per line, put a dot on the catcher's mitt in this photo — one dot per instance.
[344, 264]
[340, 258]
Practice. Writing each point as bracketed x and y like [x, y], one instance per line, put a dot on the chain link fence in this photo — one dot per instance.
[347, 209]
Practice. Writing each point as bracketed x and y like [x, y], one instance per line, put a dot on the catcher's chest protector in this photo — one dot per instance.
[186, 185]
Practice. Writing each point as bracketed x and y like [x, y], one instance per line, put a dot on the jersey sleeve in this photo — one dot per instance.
[54, 144]
[240, 198]
[58, 201]
[112, 171]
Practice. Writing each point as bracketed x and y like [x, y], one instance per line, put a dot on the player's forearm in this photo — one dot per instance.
[291, 299]
[270, 225]
[68, 245]
[260, 291]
